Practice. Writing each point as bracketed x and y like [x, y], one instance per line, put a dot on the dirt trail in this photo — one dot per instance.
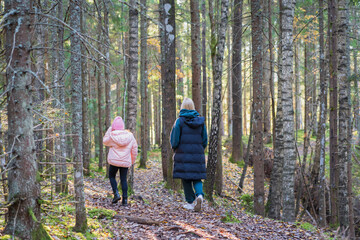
[174, 222]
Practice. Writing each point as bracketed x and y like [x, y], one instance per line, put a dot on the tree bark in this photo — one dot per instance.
[332, 18]
[318, 171]
[266, 75]
[286, 77]
[257, 72]
[195, 54]
[24, 220]
[108, 81]
[131, 107]
[216, 108]
[76, 103]
[343, 73]
[237, 149]
[356, 81]
[204, 75]
[85, 97]
[100, 88]
[168, 87]
[275, 191]
[143, 86]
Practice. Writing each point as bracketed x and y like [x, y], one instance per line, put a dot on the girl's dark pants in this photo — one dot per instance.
[123, 173]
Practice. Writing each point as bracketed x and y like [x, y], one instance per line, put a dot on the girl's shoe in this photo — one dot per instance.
[124, 201]
[198, 202]
[116, 198]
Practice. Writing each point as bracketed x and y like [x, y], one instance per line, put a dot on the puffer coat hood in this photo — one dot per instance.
[123, 147]
[121, 137]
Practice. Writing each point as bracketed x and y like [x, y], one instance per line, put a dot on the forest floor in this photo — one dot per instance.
[162, 210]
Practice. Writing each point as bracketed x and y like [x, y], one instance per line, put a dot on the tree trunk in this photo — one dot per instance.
[180, 76]
[108, 81]
[271, 65]
[85, 97]
[229, 85]
[332, 18]
[308, 100]
[76, 103]
[286, 78]
[157, 118]
[195, 54]
[318, 171]
[237, 149]
[216, 106]
[143, 86]
[257, 72]
[219, 164]
[275, 191]
[131, 107]
[204, 78]
[297, 87]
[356, 80]
[100, 88]
[343, 74]
[39, 96]
[168, 87]
[266, 75]
[24, 189]
[61, 69]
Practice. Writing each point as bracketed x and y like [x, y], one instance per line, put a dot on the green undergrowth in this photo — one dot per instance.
[306, 226]
[61, 221]
[230, 218]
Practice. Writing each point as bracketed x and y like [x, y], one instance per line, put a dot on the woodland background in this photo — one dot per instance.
[277, 81]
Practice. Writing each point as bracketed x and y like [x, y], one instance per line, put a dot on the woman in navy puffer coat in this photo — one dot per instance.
[188, 139]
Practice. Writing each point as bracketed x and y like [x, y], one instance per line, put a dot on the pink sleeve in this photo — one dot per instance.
[107, 139]
[134, 151]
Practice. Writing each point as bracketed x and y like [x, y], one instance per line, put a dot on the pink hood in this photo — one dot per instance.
[123, 147]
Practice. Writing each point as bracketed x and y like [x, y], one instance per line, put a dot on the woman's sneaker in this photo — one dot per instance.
[198, 202]
[189, 206]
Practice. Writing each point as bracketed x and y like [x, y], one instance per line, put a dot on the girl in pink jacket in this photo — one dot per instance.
[122, 154]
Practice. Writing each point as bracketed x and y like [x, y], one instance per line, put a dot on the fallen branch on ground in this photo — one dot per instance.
[140, 220]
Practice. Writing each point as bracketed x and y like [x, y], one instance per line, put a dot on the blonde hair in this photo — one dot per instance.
[187, 104]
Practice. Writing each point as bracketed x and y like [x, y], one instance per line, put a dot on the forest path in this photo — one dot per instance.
[174, 222]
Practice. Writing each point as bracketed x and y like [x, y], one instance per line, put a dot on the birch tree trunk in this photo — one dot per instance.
[195, 54]
[237, 149]
[131, 107]
[76, 103]
[24, 220]
[143, 86]
[216, 108]
[343, 57]
[257, 71]
[286, 77]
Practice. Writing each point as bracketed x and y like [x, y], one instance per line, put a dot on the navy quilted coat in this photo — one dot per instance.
[188, 139]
